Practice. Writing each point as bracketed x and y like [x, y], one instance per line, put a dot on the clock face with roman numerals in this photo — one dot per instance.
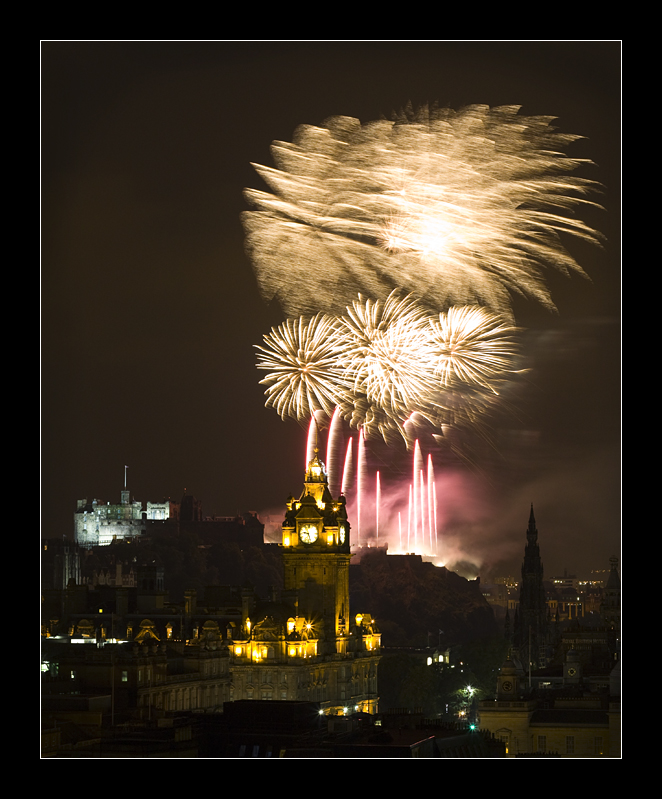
[341, 533]
[308, 534]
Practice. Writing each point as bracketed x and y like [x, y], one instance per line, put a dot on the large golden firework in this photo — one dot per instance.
[461, 208]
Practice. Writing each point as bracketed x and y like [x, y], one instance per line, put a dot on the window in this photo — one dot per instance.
[570, 744]
[598, 748]
[542, 743]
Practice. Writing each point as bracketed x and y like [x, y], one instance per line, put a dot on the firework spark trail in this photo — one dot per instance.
[334, 442]
[431, 507]
[409, 519]
[347, 469]
[378, 500]
[421, 485]
[418, 471]
[434, 500]
[311, 440]
[461, 207]
[361, 484]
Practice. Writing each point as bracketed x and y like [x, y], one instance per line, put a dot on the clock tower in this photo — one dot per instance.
[304, 644]
[316, 558]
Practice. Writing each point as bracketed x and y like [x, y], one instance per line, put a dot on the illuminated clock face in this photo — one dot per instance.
[507, 685]
[572, 671]
[308, 534]
[341, 532]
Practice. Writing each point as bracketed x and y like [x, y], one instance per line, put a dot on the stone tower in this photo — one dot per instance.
[531, 626]
[316, 557]
[307, 646]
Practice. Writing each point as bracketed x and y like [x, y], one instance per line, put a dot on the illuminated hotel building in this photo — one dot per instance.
[309, 646]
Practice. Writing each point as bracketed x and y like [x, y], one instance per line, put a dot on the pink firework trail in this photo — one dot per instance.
[377, 513]
[348, 468]
[361, 478]
[378, 496]
[333, 448]
[432, 527]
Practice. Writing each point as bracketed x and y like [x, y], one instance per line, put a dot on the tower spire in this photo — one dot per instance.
[532, 531]
[125, 490]
[531, 626]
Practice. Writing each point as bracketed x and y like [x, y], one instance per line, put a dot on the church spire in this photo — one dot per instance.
[532, 532]
[531, 625]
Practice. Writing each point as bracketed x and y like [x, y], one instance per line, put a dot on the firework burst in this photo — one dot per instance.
[387, 353]
[388, 367]
[301, 358]
[462, 208]
[472, 346]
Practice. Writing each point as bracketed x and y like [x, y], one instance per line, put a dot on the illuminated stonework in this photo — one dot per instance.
[98, 524]
[308, 646]
[316, 552]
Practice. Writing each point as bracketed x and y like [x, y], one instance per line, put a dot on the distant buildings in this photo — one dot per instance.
[116, 648]
[309, 645]
[569, 711]
[558, 693]
[99, 524]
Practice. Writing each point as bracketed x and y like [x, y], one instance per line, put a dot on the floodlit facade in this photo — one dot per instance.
[97, 523]
[309, 646]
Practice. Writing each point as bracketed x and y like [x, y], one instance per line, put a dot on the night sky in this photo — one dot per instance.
[151, 310]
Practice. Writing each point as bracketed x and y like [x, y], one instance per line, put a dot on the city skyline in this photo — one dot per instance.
[151, 311]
